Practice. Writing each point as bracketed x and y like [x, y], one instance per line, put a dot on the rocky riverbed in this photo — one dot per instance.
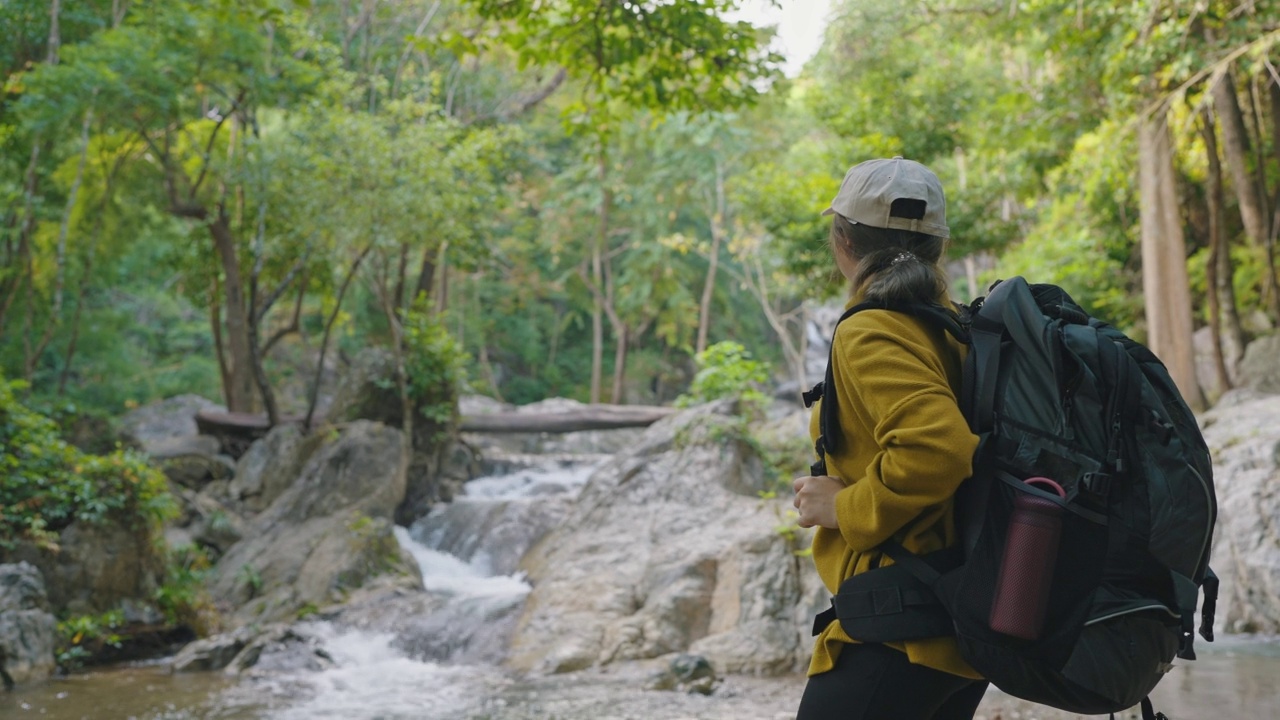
[1234, 680]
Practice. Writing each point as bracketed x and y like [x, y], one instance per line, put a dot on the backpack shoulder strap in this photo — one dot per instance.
[830, 437]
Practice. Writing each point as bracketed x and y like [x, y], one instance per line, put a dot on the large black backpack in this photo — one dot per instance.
[1051, 391]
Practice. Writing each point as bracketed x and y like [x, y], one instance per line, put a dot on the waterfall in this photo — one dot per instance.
[443, 656]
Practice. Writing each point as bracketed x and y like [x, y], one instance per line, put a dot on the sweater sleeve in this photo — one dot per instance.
[890, 378]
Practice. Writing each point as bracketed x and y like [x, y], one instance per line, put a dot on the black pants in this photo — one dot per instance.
[875, 682]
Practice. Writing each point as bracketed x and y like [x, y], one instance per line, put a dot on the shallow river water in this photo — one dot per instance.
[1237, 678]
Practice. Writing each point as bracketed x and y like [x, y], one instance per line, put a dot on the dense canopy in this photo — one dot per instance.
[235, 197]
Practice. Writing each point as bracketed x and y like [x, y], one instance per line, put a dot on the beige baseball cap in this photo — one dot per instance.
[893, 193]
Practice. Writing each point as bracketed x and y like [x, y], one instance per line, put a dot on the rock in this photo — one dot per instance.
[1259, 369]
[95, 567]
[28, 631]
[669, 549]
[149, 425]
[192, 460]
[328, 532]
[213, 653]
[283, 649]
[179, 445]
[493, 535]
[266, 469]
[367, 391]
[1206, 363]
[210, 523]
[1243, 433]
[686, 673]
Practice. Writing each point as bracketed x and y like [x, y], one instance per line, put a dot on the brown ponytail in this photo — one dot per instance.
[894, 266]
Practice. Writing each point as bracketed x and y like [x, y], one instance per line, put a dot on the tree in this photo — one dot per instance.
[633, 55]
[1164, 264]
[222, 66]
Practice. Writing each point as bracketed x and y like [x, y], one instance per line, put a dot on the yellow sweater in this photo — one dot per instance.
[905, 450]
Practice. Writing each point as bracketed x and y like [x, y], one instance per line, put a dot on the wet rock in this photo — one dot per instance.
[327, 533]
[282, 649]
[213, 653]
[493, 535]
[669, 549]
[28, 630]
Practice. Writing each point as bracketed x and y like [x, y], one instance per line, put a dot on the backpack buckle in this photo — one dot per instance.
[1096, 483]
[813, 394]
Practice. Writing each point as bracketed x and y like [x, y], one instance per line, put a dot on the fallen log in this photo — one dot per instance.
[589, 417]
[236, 431]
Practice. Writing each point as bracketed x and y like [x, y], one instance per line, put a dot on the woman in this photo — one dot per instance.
[905, 448]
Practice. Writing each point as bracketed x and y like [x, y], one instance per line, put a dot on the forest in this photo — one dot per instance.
[576, 198]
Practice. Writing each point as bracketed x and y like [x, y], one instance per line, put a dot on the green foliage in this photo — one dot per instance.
[81, 637]
[725, 370]
[183, 597]
[251, 578]
[49, 484]
[1086, 238]
[647, 54]
[436, 367]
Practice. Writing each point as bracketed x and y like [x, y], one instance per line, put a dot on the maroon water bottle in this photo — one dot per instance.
[1026, 569]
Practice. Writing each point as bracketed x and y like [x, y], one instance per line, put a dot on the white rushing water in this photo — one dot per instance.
[374, 677]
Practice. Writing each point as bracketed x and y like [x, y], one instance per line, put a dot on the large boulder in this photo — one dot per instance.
[368, 392]
[95, 567]
[28, 630]
[1259, 370]
[264, 472]
[327, 533]
[1207, 362]
[1243, 433]
[670, 548]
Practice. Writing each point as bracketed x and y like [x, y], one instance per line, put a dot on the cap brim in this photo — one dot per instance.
[828, 211]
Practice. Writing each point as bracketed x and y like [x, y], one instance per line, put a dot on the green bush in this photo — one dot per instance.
[726, 369]
[48, 483]
[436, 366]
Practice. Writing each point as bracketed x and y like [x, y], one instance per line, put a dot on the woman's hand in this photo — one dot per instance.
[816, 500]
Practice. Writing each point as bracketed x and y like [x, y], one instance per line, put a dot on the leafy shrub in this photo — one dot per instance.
[81, 637]
[48, 483]
[436, 365]
[184, 597]
[726, 369]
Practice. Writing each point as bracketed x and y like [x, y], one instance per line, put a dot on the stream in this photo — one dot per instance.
[468, 552]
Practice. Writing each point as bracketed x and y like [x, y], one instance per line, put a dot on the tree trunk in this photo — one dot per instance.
[1164, 259]
[717, 234]
[617, 393]
[597, 277]
[426, 275]
[328, 330]
[238, 388]
[1235, 149]
[1219, 254]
